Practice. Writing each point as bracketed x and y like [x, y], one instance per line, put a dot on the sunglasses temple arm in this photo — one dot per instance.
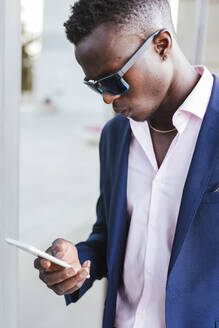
[135, 57]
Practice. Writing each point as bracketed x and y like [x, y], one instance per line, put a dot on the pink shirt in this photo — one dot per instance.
[153, 198]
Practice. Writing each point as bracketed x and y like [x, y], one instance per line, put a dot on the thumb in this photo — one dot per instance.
[86, 266]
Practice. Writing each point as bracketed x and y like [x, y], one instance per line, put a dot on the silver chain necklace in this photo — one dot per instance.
[160, 130]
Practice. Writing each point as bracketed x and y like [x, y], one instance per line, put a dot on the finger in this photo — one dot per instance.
[76, 266]
[73, 284]
[53, 278]
[67, 252]
[59, 245]
[84, 272]
[44, 263]
[40, 263]
[86, 268]
[74, 289]
[58, 290]
[48, 265]
[36, 264]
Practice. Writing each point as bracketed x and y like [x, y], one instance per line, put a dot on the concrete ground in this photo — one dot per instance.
[59, 181]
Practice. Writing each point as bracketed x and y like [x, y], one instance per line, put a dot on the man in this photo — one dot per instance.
[157, 228]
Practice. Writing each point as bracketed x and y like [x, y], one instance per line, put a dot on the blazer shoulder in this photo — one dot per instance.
[114, 135]
[115, 126]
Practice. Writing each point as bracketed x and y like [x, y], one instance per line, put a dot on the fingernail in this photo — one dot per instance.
[88, 263]
[88, 277]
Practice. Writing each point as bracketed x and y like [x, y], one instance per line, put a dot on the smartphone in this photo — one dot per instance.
[34, 251]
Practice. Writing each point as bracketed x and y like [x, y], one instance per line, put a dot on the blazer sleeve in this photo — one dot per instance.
[94, 248]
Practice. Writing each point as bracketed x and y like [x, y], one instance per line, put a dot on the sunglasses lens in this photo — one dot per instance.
[113, 85]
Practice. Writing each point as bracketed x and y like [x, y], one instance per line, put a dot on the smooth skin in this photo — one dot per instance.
[159, 83]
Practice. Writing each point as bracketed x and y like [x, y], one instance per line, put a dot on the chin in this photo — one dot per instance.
[136, 119]
[139, 117]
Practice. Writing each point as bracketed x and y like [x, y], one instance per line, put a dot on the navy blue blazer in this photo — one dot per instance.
[192, 289]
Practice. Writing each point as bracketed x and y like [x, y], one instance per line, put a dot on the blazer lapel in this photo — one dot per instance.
[202, 164]
[118, 211]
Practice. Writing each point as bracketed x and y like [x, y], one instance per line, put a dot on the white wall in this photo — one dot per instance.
[9, 113]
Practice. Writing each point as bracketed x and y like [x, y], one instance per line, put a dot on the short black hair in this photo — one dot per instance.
[143, 15]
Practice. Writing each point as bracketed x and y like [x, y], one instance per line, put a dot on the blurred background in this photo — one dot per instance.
[60, 125]
[59, 163]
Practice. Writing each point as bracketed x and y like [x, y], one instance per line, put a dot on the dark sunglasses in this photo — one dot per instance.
[114, 84]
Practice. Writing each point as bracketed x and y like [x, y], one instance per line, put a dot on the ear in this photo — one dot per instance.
[163, 44]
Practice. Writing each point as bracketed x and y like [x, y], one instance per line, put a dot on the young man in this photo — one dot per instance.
[157, 228]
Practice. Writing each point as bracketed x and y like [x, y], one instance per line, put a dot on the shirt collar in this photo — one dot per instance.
[197, 101]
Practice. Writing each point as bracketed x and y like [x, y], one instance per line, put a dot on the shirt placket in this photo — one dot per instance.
[151, 247]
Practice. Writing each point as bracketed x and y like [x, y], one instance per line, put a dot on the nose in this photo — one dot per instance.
[109, 99]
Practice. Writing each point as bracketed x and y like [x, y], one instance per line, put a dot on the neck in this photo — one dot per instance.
[184, 80]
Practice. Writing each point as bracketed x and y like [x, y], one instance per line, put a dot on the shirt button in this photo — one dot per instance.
[151, 226]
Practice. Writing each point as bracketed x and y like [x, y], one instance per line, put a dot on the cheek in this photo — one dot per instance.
[150, 82]
[148, 91]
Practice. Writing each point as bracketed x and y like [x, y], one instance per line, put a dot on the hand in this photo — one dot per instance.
[63, 281]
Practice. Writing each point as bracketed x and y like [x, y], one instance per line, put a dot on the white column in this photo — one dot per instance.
[174, 4]
[9, 116]
[201, 30]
